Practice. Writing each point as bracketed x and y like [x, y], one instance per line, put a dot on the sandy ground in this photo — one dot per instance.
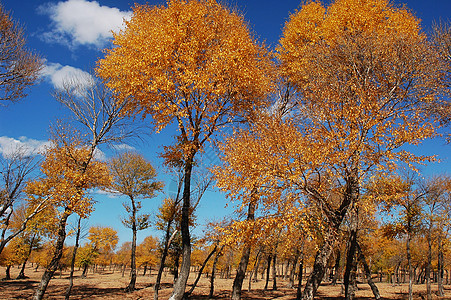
[110, 285]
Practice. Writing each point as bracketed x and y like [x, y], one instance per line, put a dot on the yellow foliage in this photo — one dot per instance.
[192, 62]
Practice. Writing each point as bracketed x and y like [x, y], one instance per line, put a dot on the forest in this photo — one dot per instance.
[312, 141]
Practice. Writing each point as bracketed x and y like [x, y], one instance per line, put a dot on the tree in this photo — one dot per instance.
[364, 78]
[69, 171]
[193, 63]
[146, 253]
[19, 67]
[103, 239]
[436, 213]
[101, 120]
[378, 77]
[42, 225]
[400, 194]
[16, 169]
[134, 177]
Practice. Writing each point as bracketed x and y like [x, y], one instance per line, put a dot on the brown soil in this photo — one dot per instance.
[107, 284]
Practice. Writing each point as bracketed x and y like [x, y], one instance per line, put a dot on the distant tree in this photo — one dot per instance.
[400, 194]
[103, 240]
[146, 253]
[134, 177]
[19, 67]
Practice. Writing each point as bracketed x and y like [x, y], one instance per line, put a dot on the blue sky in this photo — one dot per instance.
[70, 36]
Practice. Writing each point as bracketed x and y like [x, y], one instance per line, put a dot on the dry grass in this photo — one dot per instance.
[110, 285]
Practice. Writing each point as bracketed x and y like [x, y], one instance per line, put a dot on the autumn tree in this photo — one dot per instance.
[99, 120]
[369, 98]
[19, 67]
[146, 253]
[134, 177]
[364, 76]
[68, 172]
[198, 67]
[41, 226]
[103, 240]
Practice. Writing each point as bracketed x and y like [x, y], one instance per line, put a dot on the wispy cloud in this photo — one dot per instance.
[10, 146]
[123, 147]
[81, 22]
[60, 75]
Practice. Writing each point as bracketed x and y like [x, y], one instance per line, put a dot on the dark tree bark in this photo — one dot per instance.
[85, 271]
[428, 265]
[8, 273]
[54, 263]
[299, 289]
[72, 263]
[131, 285]
[293, 270]
[440, 263]
[213, 273]
[409, 260]
[244, 261]
[180, 284]
[336, 216]
[336, 267]
[187, 294]
[367, 271]
[274, 272]
[351, 264]
[268, 268]
[168, 240]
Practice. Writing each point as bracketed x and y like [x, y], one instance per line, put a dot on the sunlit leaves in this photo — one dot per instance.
[69, 171]
[193, 62]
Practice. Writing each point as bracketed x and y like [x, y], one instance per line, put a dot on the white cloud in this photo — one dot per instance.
[124, 147]
[99, 155]
[81, 22]
[60, 75]
[10, 146]
[106, 193]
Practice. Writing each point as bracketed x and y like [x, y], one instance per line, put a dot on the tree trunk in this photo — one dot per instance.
[131, 285]
[409, 261]
[72, 263]
[351, 194]
[8, 273]
[213, 273]
[299, 289]
[367, 272]
[428, 265]
[268, 267]
[180, 284]
[351, 264]
[336, 267]
[254, 272]
[242, 267]
[274, 273]
[440, 262]
[168, 240]
[54, 263]
[85, 271]
[187, 294]
[293, 270]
